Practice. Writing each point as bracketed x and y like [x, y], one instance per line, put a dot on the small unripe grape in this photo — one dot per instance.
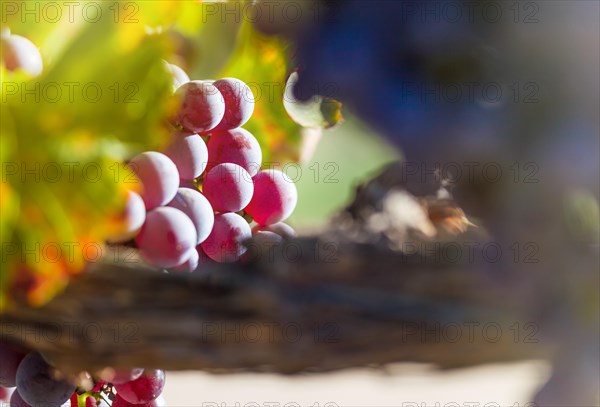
[275, 197]
[228, 187]
[20, 53]
[224, 244]
[158, 175]
[201, 106]
[133, 217]
[178, 74]
[236, 146]
[239, 103]
[166, 237]
[190, 155]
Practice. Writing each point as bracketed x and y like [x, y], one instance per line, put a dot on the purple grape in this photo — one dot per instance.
[133, 217]
[144, 389]
[10, 358]
[158, 175]
[236, 146]
[201, 106]
[282, 229]
[39, 384]
[239, 103]
[197, 208]
[275, 197]
[228, 187]
[188, 265]
[224, 244]
[166, 237]
[178, 74]
[190, 155]
[20, 53]
[17, 401]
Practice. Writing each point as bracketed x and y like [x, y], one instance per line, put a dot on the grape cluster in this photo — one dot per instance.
[39, 384]
[199, 193]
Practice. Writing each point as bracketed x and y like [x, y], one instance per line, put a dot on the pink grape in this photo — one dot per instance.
[179, 76]
[188, 265]
[239, 103]
[263, 246]
[275, 197]
[228, 187]
[236, 146]
[224, 244]
[166, 237]
[190, 155]
[158, 175]
[10, 358]
[20, 53]
[133, 218]
[144, 389]
[282, 229]
[201, 106]
[197, 208]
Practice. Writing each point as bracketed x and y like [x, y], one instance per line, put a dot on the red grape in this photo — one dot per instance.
[225, 241]
[120, 376]
[239, 103]
[120, 402]
[3, 393]
[228, 187]
[20, 53]
[178, 74]
[158, 175]
[133, 217]
[275, 197]
[197, 208]
[201, 106]
[10, 358]
[282, 229]
[188, 265]
[166, 237]
[236, 146]
[144, 389]
[190, 155]
[38, 383]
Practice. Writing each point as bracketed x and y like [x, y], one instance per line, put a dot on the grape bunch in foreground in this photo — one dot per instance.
[200, 193]
[37, 383]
